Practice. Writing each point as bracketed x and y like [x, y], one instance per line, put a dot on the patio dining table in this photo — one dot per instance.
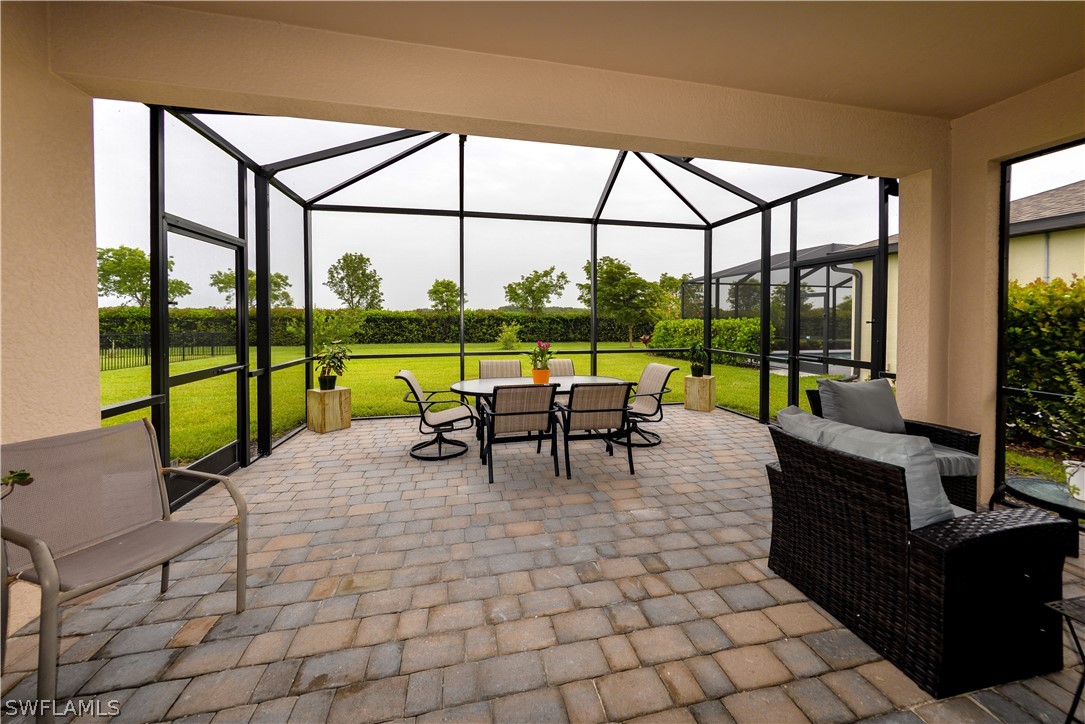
[485, 387]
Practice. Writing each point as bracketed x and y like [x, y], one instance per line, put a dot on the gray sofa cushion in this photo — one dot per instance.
[956, 463]
[869, 404]
[927, 501]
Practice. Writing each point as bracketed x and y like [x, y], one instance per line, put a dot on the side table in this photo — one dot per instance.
[328, 410]
[1073, 610]
[700, 393]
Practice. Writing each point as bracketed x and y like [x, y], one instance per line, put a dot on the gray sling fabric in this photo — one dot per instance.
[597, 407]
[490, 368]
[88, 486]
[562, 368]
[522, 408]
[650, 389]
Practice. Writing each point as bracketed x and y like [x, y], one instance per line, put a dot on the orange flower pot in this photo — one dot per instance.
[540, 377]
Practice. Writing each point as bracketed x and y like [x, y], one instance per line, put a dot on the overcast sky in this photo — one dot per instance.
[410, 252]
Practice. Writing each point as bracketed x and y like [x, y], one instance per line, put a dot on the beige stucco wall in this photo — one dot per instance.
[1058, 254]
[981, 141]
[159, 54]
[48, 283]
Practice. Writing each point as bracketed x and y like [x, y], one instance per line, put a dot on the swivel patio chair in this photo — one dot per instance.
[490, 368]
[97, 513]
[520, 413]
[648, 402]
[562, 368]
[437, 423]
[597, 412]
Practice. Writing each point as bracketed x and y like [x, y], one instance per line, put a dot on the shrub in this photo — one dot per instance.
[736, 335]
[1045, 347]
[509, 337]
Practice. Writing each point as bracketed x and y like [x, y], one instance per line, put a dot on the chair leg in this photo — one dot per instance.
[554, 450]
[629, 451]
[242, 561]
[650, 438]
[489, 455]
[48, 644]
[568, 468]
[165, 577]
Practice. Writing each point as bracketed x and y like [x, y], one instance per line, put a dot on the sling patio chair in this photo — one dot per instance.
[490, 368]
[520, 413]
[597, 412]
[562, 368]
[437, 422]
[648, 402]
[97, 513]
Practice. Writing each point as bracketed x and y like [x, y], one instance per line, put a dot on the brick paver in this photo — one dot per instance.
[382, 587]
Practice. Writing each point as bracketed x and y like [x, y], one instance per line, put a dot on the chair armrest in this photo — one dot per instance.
[1027, 525]
[239, 500]
[660, 394]
[40, 556]
[952, 437]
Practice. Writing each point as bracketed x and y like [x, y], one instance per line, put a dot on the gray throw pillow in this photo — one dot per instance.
[927, 501]
[871, 405]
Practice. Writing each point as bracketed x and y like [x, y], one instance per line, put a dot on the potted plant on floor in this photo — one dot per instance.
[697, 359]
[330, 362]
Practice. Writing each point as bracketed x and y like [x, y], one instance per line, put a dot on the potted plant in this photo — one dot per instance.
[697, 359]
[540, 363]
[330, 362]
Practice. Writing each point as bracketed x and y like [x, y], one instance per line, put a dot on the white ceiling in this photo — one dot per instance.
[943, 59]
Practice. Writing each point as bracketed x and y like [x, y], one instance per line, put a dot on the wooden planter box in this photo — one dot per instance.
[700, 393]
[328, 410]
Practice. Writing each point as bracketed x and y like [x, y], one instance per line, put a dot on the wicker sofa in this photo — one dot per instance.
[957, 605]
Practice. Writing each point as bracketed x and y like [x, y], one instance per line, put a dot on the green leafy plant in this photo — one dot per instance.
[509, 336]
[540, 356]
[15, 477]
[332, 359]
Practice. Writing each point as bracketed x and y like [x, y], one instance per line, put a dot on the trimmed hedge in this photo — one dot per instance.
[376, 326]
[738, 335]
[1043, 321]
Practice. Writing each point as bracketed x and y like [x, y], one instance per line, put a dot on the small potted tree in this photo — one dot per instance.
[697, 359]
[330, 362]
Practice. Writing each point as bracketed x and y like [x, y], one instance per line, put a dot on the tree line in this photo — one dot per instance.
[621, 293]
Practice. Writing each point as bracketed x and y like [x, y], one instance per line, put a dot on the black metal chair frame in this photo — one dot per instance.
[610, 436]
[439, 431]
[489, 416]
[651, 439]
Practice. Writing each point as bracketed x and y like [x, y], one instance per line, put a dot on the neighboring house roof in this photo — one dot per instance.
[1054, 210]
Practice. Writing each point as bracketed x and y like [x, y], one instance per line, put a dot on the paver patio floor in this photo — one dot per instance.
[385, 588]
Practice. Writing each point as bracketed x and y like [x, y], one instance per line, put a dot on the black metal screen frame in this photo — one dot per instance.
[258, 240]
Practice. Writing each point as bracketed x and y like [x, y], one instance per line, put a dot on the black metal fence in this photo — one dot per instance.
[124, 351]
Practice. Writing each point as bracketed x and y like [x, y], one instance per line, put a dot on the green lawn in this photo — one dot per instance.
[202, 413]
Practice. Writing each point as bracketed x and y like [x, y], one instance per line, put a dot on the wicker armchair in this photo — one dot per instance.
[956, 605]
[961, 489]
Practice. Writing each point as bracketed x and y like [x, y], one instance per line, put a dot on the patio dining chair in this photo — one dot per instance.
[490, 368]
[97, 513]
[519, 413]
[648, 402]
[562, 368]
[438, 423]
[597, 412]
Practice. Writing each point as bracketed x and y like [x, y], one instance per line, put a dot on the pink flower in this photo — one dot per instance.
[543, 345]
